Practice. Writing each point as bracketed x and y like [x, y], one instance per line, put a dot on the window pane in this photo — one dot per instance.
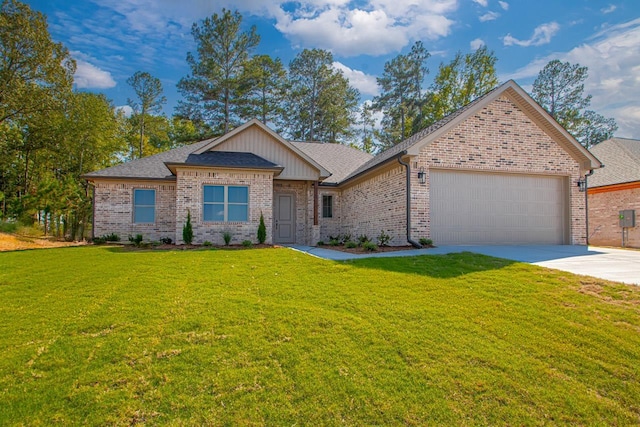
[327, 206]
[238, 213]
[214, 193]
[144, 214]
[238, 194]
[144, 197]
[214, 212]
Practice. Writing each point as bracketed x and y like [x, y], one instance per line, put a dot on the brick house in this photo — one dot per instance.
[498, 171]
[612, 189]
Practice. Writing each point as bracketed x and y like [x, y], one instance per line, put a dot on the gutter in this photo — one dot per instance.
[408, 168]
[586, 202]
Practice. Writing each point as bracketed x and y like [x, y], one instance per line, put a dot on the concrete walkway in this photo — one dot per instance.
[619, 265]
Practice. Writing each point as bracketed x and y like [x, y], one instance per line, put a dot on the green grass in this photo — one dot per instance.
[98, 336]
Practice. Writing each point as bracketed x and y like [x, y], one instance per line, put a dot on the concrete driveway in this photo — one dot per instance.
[619, 265]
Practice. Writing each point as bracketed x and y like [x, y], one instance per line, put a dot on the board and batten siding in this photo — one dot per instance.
[256, 141]
[498, 208]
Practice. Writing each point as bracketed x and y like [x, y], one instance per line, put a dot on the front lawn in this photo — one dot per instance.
[97, 335]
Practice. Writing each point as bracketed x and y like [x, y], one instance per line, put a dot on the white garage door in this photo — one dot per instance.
[497, 208]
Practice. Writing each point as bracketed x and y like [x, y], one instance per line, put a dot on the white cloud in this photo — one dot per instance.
[378, 27]
[609, 9]
[482, 3]
[365, 83]
[127, 110]
[88, 76]
[504, 5]
[476, 44]
[489, 16]
[541, 35]
[613, 59]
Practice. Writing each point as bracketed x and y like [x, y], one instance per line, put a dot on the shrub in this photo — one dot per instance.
[227, 238]
[351, 244]
[113, 237]
[262, 230]
[346, 238]
[99, 241]
[137, 240]
[8, 227]
[362, 239]
[426, 242]
[383, 238]
[187, 230]
[247, 243]
[207, 243]
[166, 240]
[334, 242]
[320, 243]
[369, 246]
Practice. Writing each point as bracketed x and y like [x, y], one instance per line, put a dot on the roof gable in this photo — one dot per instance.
[255, 137]
[414, 144]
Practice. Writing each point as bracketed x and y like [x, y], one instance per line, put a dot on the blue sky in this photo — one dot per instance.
[112, 39]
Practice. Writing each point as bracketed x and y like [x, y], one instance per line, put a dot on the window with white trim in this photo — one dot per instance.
[225, 203]
[144, 206]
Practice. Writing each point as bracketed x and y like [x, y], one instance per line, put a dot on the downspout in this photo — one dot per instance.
[93, 214]
[586, 201]
[409, 239]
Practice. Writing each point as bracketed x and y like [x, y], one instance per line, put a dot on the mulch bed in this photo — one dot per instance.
[360, 250]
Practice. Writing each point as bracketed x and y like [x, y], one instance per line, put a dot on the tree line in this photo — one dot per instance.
[51, 134]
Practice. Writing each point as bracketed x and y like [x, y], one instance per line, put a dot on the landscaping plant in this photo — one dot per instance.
[187, 230]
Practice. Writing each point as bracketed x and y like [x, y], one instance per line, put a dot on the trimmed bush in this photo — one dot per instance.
[262, 230]
[187, 230]
[425, 242]
[351, 244]
[247, 243]
[226, 236]
[369, 246]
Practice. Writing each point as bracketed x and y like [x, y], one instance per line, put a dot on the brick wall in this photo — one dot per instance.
[377, 204]
[114, 210]
[330, 226]
[604, 224]
[190, 191]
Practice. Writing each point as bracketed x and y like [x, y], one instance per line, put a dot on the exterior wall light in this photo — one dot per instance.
[582, 185]
[422, 176]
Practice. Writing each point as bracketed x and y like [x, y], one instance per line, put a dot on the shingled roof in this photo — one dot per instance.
[621, 157]
[340, 160]
[228, 159]
[152, 167]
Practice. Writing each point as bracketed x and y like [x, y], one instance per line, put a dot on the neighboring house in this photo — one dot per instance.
[498, 171]
[614, 188]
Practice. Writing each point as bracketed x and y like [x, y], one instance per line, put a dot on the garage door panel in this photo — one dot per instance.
[495, 208]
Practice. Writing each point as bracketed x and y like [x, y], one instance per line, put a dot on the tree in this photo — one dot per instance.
[458, 83]
[559, 89]
[401, 93]
[367, 131]
[263, 86]
[211, 91]
[150, 100]
[321, 104]
[36, 74]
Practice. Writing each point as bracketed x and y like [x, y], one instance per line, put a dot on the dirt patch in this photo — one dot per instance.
[15, 242]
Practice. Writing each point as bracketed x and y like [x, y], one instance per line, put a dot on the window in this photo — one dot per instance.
[226, 203]
[144, 206]
[327, 206]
